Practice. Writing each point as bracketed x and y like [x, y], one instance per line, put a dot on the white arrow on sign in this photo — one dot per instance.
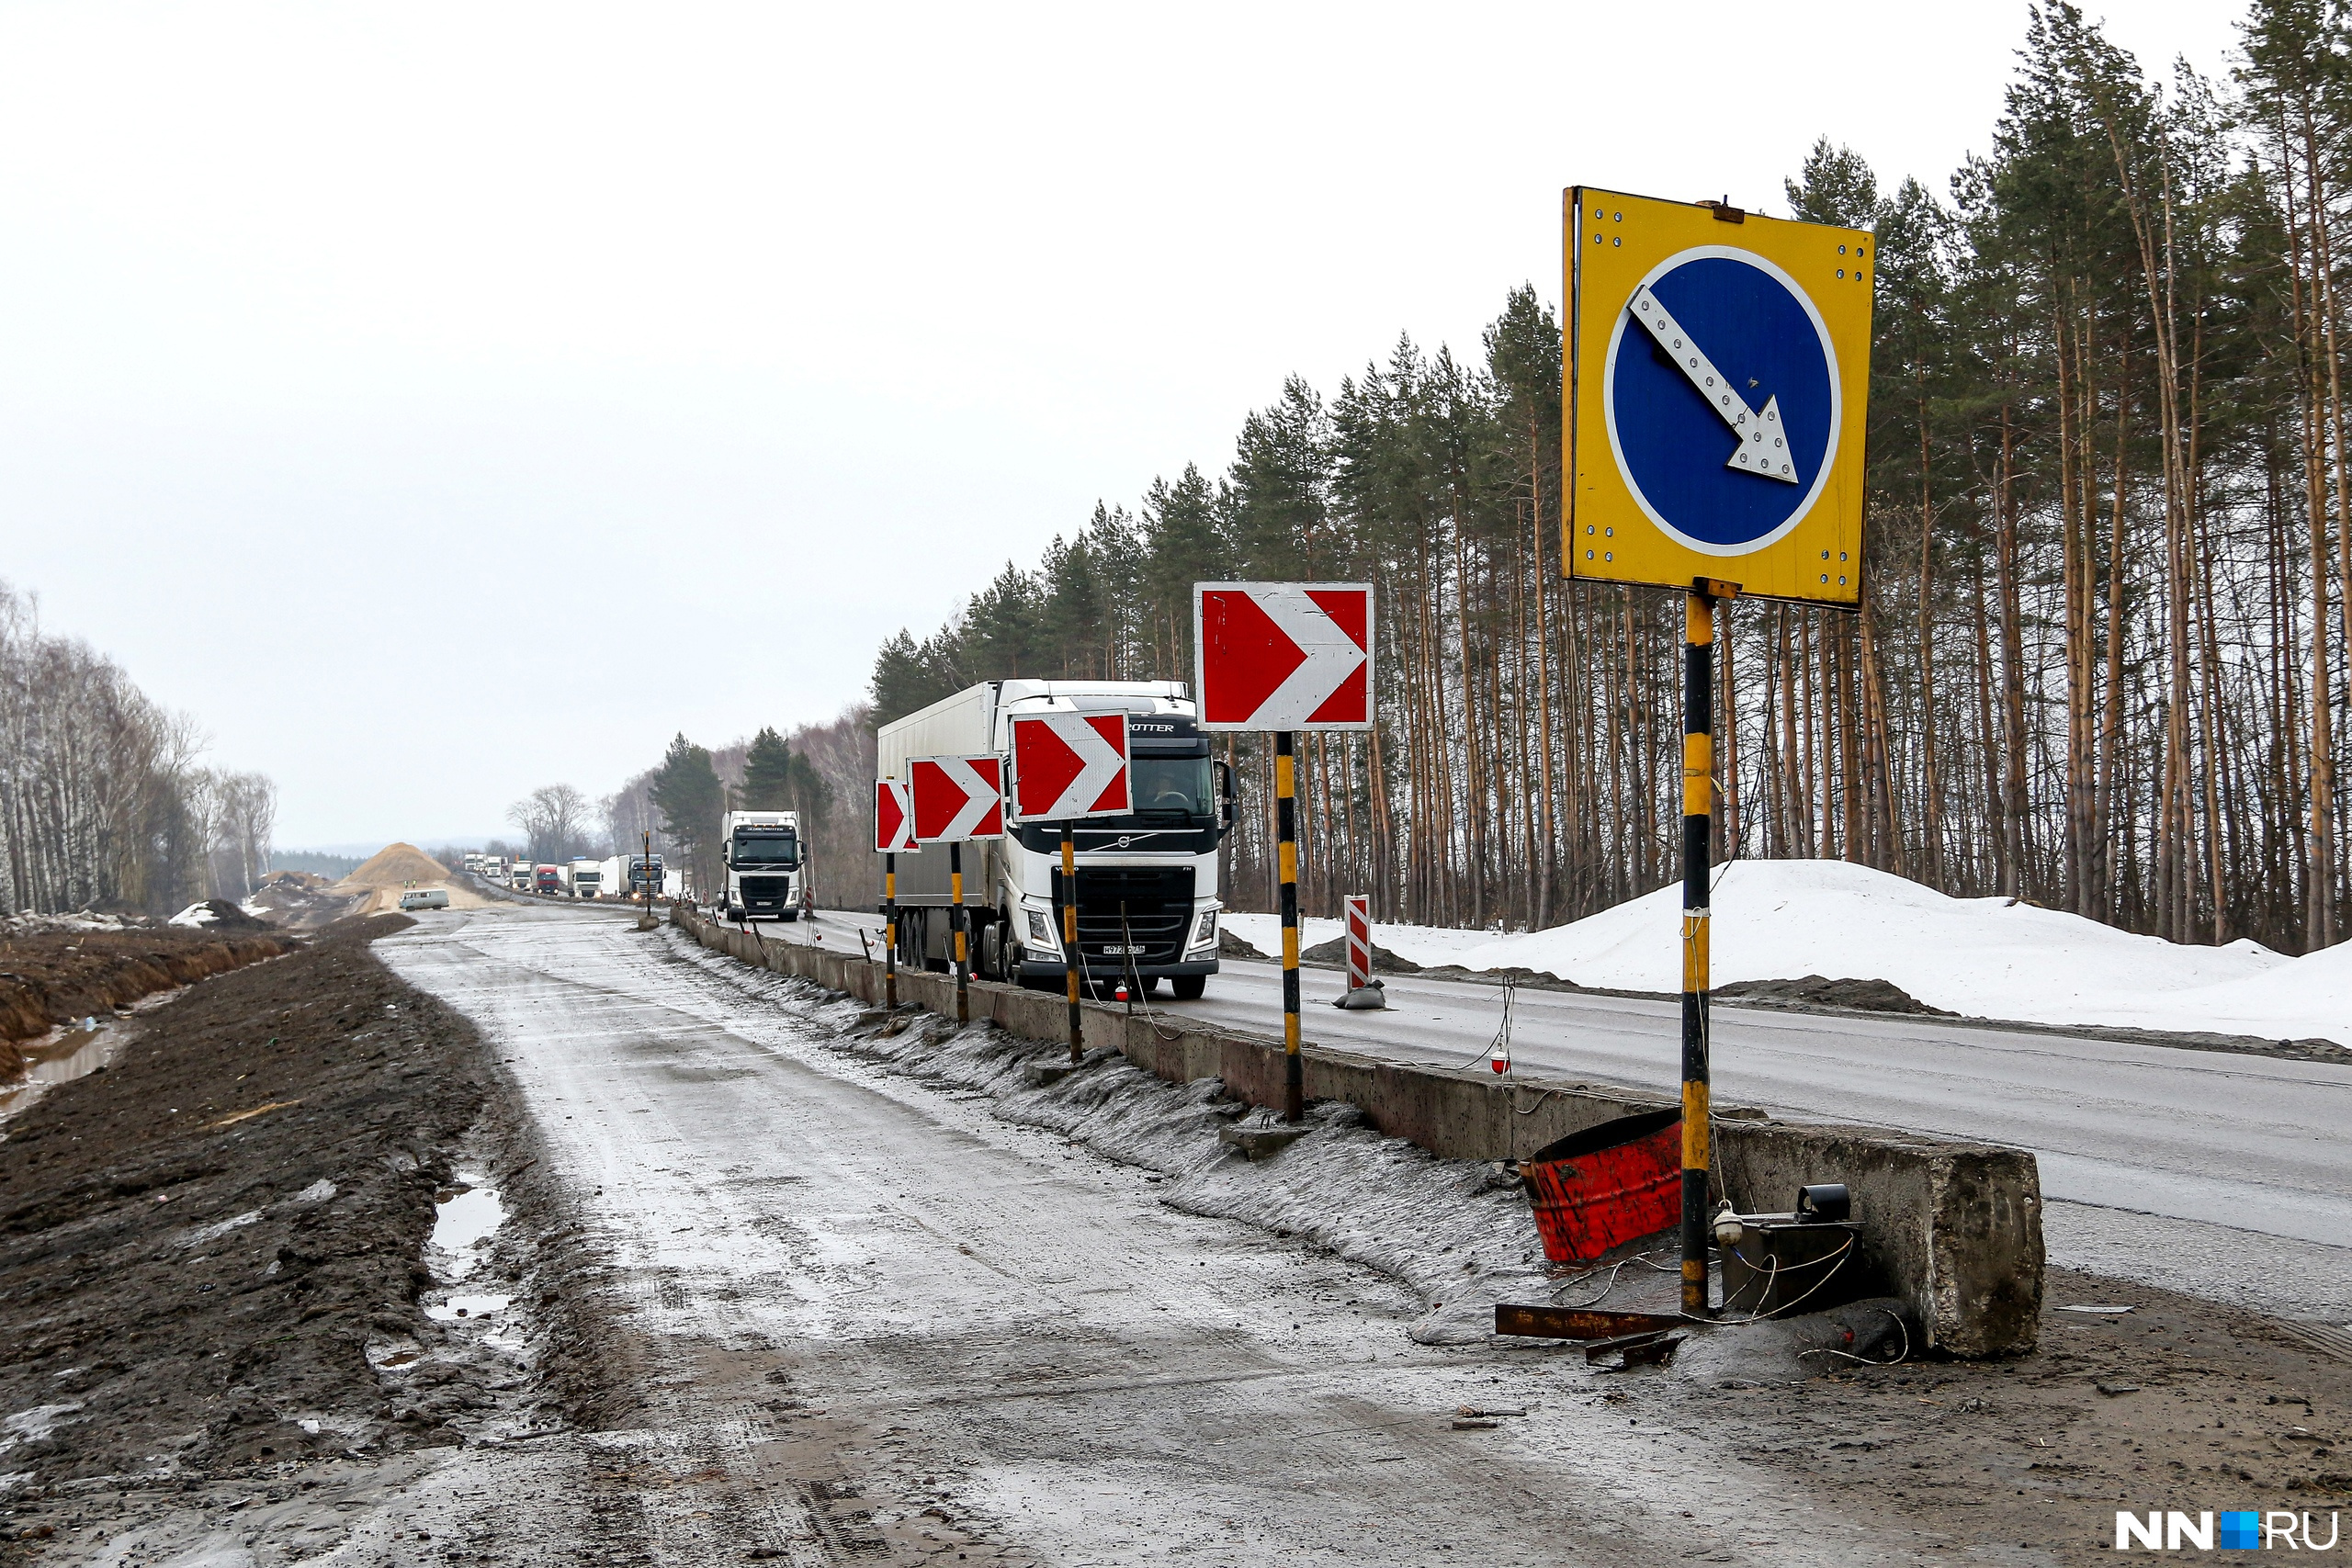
[1763, 444]
[894, 818]
[1284, 655]
[1070, 765]
[957, 799]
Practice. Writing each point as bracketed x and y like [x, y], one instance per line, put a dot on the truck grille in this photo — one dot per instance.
[1148, 907]
[764, 892]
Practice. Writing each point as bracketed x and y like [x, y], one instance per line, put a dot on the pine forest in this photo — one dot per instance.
[2100, 661]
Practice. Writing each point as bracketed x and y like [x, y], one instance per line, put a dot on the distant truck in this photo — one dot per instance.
[1148, 894]
[547, 880]
[644, 876]
[520, 877]
[766, 862]
[586, 876]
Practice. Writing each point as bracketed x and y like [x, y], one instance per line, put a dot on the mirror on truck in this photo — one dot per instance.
[1225, 797]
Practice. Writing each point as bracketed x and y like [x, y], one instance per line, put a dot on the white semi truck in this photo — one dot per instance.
[1147, 894]
[585, 877]
[766, 862]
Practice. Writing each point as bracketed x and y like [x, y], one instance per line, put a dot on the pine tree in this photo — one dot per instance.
[767, 774]
[687, 793]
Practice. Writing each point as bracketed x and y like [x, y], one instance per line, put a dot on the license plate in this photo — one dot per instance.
[1115, 950]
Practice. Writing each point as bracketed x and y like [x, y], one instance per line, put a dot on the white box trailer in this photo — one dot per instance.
[1147, 893]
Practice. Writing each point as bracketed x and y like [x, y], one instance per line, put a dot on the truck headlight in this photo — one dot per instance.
[1204, 931]
[1041, 933]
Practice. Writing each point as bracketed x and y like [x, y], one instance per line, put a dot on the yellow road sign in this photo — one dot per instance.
[1718, 386]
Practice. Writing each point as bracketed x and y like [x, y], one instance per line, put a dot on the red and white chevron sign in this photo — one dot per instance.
[1066, 766]
[1284, 655]
[957, 798]
[894, 818]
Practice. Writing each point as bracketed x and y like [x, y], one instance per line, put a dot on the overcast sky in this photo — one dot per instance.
[439, 400]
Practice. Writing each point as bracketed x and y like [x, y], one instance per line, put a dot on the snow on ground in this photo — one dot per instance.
[1981, 957]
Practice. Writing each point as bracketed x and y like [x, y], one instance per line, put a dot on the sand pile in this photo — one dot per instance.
[396, 866]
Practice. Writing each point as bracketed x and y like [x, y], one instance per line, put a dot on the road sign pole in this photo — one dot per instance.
[1698, 809]
[956, 922]
[1286, 855]
[890, 932]
[1069, 936]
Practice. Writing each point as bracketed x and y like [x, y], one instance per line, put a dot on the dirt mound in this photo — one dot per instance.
[219, 915]
[1815, 990]
[1336, 951]
[304, 902]
[394, 865]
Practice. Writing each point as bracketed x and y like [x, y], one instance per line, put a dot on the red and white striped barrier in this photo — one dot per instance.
[1359, 906]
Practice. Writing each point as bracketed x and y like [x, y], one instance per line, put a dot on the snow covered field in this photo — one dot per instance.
[1980, 957]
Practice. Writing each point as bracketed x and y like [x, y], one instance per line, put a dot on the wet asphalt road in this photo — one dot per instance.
[2224, 1175]
[872, 1321]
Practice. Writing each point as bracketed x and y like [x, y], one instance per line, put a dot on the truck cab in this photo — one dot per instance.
[766, 860]
[548, 880]
[587, 877]
[644, 876]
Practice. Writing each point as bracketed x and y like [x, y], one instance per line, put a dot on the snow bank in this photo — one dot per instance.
[1981, 957]
[196, 915]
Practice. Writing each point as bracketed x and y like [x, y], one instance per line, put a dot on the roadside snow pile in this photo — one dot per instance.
[1981, 957]
[218, 912]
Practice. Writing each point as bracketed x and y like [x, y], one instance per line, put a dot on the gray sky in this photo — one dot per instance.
[369, 369]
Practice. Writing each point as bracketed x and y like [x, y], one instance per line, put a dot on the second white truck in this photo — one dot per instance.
[766, 862]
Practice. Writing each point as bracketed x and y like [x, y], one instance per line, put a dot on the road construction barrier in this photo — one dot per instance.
[1952, 1228]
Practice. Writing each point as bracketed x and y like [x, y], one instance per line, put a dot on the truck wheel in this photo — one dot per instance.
[1188, 987]
[993, 951]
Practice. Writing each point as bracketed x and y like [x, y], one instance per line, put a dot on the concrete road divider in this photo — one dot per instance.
[1952, 1230]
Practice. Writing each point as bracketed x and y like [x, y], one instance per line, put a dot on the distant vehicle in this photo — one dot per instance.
[548, 880]
[424, 899]
[643, 874]
[1148, 892]
[587, 877]
[520, 877]
[764, 865]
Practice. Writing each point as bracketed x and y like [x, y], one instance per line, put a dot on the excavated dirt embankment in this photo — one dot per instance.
[197, 1242]
[52, 977]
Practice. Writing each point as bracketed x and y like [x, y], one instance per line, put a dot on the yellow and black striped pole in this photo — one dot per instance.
[956, 922]
[890, 932]
[1697, 812]
[1287, 859]
[1069, 937]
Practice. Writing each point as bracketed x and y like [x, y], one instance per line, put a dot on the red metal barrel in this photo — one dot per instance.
[1606, 1186]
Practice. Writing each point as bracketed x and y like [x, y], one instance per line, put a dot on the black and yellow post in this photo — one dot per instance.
[957, 922]
[1069, 936]
[1286, 859]
[890, 932]
[1698, 814]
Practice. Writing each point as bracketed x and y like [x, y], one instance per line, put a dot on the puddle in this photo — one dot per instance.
[465, 1220]
[61, 1056]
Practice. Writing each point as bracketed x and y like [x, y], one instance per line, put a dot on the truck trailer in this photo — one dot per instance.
[766, 860]
[1147, 894]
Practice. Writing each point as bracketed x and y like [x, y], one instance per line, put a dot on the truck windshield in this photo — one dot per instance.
[767, 849]
[1173, 786]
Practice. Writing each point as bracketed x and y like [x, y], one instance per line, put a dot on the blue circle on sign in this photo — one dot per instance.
[1753, 326]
